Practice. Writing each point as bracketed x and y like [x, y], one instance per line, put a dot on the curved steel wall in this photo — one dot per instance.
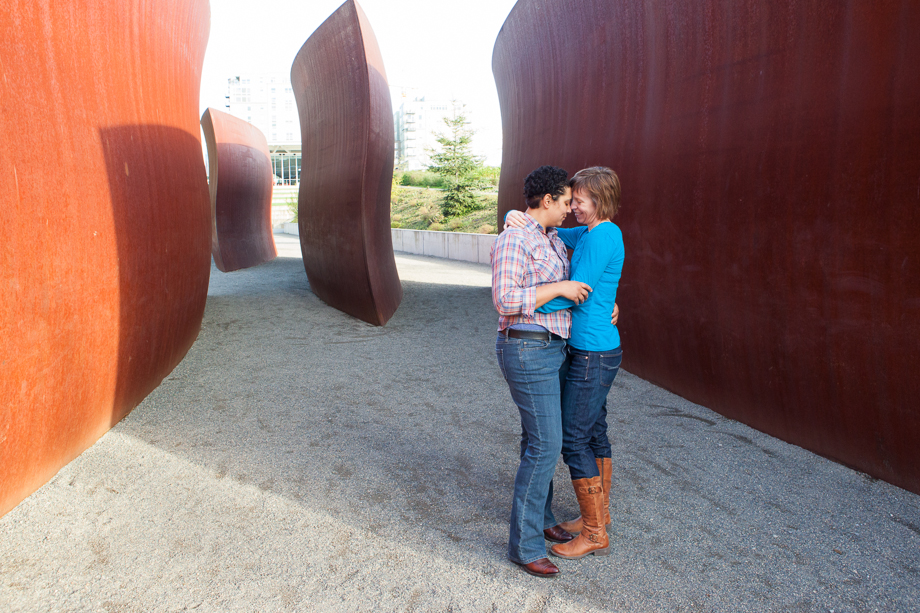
[105, 260]
[240, 183]
[346, 124]
[770, 160]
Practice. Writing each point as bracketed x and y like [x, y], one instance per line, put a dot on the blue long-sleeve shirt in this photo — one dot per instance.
[598, 261]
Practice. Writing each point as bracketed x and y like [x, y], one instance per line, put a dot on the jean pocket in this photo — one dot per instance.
[501, 363]
[610, 366]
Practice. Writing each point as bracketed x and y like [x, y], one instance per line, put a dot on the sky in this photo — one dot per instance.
[443, 48]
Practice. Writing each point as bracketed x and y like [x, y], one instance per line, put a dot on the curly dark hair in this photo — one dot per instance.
[544, 180]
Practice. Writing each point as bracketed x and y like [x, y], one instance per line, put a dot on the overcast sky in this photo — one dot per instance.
[441, 47]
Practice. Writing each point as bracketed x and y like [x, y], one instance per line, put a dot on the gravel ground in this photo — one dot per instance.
[301, 460]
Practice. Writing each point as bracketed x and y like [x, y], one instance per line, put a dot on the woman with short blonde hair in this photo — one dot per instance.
[603, 185]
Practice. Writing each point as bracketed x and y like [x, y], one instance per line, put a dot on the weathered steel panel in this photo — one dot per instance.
[770, 160]
[240, 182]
[346, 124]
[104, 261]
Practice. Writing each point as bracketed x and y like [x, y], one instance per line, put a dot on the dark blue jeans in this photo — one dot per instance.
[584, 409]
[532, 370]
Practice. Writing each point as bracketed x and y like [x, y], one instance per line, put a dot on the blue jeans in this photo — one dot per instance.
[584, 409]
[532, 370]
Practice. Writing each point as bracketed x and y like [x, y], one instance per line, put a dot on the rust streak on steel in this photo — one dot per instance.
[105, 258]
[240, 181]
[770, 159]
[346, 124]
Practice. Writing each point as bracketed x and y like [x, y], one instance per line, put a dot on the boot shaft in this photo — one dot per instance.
[605, 468]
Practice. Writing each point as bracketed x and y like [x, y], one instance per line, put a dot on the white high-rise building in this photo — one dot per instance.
[416, 121]
[267, 102]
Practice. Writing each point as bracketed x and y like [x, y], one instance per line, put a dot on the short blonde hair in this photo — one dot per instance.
[603, 185]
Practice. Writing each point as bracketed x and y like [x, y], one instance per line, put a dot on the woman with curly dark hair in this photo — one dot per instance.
[530, 267]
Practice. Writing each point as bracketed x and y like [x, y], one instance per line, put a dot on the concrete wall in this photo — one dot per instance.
[449, 245]
[281, 215]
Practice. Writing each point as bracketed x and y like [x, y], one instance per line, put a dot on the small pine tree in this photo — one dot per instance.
[457, 164]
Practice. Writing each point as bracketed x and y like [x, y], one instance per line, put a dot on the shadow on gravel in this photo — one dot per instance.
[406, 429]
[409, 431]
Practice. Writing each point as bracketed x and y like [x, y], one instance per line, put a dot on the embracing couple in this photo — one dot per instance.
[559, 351]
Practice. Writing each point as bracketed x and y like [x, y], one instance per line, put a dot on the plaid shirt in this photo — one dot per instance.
[522, 259]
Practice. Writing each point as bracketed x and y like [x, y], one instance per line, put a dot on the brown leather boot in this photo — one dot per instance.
[605, 468]
[572, 527]
[542, 568]
[557, 535]
[593, 537]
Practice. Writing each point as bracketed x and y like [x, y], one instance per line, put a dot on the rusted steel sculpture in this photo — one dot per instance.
[240, 181]
[770, 160]
[105, 260]
[346, 125]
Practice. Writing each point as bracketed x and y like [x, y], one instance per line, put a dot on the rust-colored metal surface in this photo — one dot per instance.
[346, 124]
[104, 261]
[240, 182]
[770, 160]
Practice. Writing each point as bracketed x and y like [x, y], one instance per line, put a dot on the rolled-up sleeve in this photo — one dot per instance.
[509, 295]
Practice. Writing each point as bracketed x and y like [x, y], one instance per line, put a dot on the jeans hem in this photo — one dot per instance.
[575, 472]
[546, 555]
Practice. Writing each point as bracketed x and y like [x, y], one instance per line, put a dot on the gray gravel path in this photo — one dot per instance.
[300, 460]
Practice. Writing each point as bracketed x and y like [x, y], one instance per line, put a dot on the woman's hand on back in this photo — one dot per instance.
[515, 219]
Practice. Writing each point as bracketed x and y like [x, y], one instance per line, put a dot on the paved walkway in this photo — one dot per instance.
[300, 460]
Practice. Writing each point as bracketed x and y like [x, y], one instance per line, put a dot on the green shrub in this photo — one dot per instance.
[488, 176]
[421, 178]
[407, 207]
[429, 215]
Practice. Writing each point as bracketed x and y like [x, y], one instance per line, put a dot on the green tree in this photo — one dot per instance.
[457, 164]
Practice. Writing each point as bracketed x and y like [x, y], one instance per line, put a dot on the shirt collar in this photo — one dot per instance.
[534, 226]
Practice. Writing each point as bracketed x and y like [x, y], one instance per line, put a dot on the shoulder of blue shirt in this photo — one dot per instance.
[607, 228]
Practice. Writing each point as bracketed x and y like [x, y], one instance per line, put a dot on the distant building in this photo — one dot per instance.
[416, 121]
[267, 102]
